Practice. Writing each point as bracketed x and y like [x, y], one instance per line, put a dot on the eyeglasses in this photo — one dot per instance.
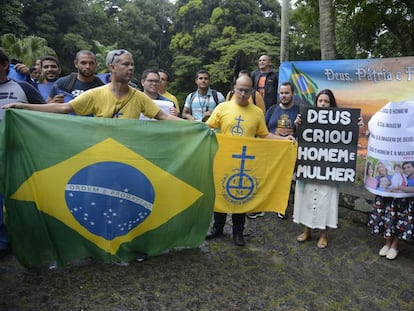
[153, 81]
[245, 91]
[117, 54]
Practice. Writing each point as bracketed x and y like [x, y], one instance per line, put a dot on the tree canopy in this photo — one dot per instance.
[221, 36]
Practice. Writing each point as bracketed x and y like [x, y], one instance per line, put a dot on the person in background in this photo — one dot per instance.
[201, 103]
[50, 72]
[280, 119]
[114, 100]
[255, 97]
[34, 75]
[78, 82]
[163, 85]
[392, 217]
[316, 202]
[150, 80]
[12, 91]
[265, 80]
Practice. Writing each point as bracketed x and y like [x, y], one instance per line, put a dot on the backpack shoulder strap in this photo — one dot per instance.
[70, 82]
[215, 97]
[192, 96]
[98, 81]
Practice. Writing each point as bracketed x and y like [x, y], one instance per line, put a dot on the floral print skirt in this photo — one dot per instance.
[392, 217]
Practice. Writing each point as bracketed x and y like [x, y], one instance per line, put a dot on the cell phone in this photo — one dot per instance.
[15, 61]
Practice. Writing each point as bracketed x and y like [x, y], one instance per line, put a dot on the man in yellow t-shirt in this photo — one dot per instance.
[162, 87]
[114, 100]
[238, 117]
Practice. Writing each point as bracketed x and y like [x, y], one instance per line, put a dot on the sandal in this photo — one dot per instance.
[323, 242]
[304, 236]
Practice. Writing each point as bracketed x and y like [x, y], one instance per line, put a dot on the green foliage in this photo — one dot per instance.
[213, 34]
[187, 35]
[27, 49]
[304, 32]
[182, 42]
[101, 53]
[375, 28]
[10, 18]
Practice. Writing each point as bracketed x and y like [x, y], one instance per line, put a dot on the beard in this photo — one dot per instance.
[285, 102]
[86, 74]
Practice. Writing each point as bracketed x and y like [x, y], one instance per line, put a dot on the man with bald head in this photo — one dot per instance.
[238, 117]
[265, 81]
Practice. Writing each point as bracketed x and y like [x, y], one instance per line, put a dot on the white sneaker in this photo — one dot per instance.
[255, 215]
[392, 253]
[384, 251]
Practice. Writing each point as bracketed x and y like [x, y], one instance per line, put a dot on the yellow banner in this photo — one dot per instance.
[253, 174]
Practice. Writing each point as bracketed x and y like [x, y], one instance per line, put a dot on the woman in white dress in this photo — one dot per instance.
[316, 202]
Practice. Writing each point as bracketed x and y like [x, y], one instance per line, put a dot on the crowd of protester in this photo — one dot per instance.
[269, 111]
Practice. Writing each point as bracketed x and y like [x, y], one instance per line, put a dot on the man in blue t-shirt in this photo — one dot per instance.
[280, 120]
[50, 72]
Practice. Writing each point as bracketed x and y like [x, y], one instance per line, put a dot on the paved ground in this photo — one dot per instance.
[272, 272]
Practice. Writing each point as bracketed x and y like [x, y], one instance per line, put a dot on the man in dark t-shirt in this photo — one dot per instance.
[74, 84]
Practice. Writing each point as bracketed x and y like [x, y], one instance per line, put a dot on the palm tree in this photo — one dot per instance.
[26, 49]
[327, 29]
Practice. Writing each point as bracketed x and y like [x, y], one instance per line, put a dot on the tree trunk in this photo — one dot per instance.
[284, 38]
[327, 29]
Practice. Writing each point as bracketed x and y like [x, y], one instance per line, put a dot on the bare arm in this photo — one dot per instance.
[403, 189]
[161, 115]
[186, 114]
[51, 107]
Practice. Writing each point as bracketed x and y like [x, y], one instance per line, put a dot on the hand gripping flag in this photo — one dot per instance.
[253, 174]
[91, 187]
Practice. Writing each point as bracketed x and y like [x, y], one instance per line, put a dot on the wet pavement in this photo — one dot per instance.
[272, 272]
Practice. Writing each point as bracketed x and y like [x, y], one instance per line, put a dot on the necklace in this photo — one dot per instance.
[204, 103]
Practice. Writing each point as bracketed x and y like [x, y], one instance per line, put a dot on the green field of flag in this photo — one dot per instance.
[79, 187]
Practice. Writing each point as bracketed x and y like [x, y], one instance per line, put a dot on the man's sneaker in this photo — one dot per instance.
[281, 216]
[255, 215]
[141, 257]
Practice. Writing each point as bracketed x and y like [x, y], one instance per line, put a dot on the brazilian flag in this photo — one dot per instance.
[79, 187]
[305, 87]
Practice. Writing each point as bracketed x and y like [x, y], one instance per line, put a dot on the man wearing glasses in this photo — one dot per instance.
[114, 100]
[150, 81]
[238, 117]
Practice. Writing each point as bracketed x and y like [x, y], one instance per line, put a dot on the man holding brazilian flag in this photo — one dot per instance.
[112, 189]
[79, 187]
